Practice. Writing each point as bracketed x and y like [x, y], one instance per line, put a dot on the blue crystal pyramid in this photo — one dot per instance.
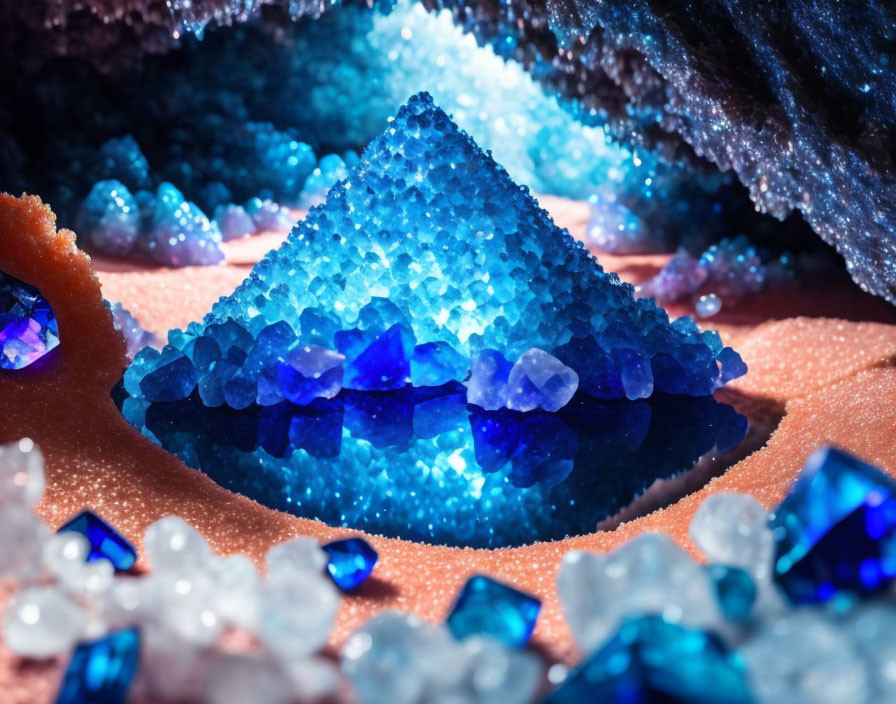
[835, 533]
[28, 328]
[101, 671]
[106, 543]
[350, 562]
[337, 382]
[488, 607]
[652, 661]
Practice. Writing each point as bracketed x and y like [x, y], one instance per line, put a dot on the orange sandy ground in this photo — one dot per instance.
[832, 378]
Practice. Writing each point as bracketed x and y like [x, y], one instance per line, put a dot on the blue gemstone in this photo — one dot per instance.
[835, 533]
[350, 562]
[101, 671]
[105, 542]
[380, 364]
[28, 328]
[651, 661]
[488, 607]
[735, 591]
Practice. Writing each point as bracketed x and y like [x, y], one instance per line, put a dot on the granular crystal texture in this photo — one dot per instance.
[835, 534]
[28, 328]
[652, 661]
[350, 562]
[336, 369]
[101, 671]
[105, 542]
[491, 608]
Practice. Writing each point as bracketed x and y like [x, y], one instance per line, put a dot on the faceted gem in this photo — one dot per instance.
[173, 379]
[105, 542]
[835, 533]
[28, 327]
[101, 671]
[437, 363]
[310, 372]
[350, 562]
[539, 380]
[735, 591]
[652, 661]
[486, 606]
[380, 364]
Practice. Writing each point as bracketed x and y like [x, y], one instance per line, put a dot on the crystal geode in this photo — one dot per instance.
[331, 382]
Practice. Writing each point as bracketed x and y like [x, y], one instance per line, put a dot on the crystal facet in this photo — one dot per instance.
[652, 661]
[350, 562]
[835, 533]
[28, 327]
[488, 607]
[105, 542]
[101, 671]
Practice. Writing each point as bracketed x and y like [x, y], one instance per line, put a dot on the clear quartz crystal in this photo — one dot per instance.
[648, 574]
[21, 473]
[732, 529]
[540, 380]
[297, 614]
[22, 534]
[302, 554]
[41, 622]
[172, 545]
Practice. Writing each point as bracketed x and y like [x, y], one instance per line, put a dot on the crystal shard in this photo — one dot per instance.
[101, 671]
[350, 562]
[28, 328]
[488, 607]
[105, 542]
[652, 661]
[835, 533]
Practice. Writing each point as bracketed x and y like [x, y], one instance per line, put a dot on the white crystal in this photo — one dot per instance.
[187, 605]
[805, 659]
[171, 669]
[497, 674]
[172, 545]
[393, 657]
[237, 590]
[297, 614]
[21, 473]
[313, 679]
[708, 305]
[130, 601]
[300, 554]
[648, 574]
[41, 622]
[540, 380]
[732, 529]
[249, 678]
[486, 388]
[65, 553]
[22, 534]
[872, 628]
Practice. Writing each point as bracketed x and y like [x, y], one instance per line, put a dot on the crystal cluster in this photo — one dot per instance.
[731, 270]
[426, 282]
[751, 625]
[135, 337]
[28, 327]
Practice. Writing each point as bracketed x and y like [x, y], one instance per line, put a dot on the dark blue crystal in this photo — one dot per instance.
[835, 533]
[101, 671]
[350, 562]
[105, 542]
[735, 591]
[28, 328]
[651, 661]
[488, 607]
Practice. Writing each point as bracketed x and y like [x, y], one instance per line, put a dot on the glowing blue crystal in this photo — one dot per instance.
[109, 218]
[120, 158]
[28, 327]
[350, 562]
[106, 543]
[101, 671]
[652, 661]
[179, 233]
[835, 533]
[234, 222]
[488, 607]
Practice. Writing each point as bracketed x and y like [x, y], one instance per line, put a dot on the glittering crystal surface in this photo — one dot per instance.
[28, 328]
[426, 258]
[835, 534]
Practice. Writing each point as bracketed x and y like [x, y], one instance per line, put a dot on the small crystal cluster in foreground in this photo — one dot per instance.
[28, 327]
[426, 293]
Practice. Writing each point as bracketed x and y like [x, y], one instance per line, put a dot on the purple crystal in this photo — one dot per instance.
[28, 328]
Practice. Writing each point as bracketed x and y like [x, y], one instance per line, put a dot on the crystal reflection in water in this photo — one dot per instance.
[421, 464]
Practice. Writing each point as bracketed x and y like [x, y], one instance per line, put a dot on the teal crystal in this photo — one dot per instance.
[652, 661]
[488, 607]
[429, 356]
